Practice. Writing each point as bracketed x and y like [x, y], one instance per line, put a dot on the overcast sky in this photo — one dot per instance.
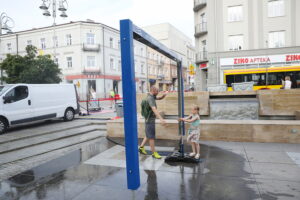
[179, 13]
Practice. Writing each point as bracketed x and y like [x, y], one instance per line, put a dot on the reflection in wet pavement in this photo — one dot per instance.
[224, 174]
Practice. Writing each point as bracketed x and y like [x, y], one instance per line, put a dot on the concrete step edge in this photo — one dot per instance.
[91, 137]
[49, 132]
[51, 140]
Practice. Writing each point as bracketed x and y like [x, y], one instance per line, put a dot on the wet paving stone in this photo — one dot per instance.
[281, 190]
[274, 171]
[224, 173]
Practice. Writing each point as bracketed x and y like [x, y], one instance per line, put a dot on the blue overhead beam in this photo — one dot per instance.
[145, 38]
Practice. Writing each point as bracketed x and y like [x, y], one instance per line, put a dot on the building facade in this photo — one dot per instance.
[181, 44]
[239, 34]
[87, 53]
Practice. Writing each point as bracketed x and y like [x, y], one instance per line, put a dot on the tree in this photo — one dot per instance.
[30, 68]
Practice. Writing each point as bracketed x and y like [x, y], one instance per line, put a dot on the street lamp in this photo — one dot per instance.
[63, 6]
[6, 23]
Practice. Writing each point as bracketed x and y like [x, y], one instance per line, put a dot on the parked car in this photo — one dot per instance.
[25, 103]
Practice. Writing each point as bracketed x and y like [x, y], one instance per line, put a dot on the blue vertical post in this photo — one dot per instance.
[180, 106]
[182, 95]
[129, 101]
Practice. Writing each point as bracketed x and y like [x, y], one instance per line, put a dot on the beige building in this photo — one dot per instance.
[162, 72]
[264, 31]
[178, 42]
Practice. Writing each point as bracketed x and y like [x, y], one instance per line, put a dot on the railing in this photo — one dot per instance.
[199, 4]
[201, 57]
[91, 47]
[91, 71]
[200, 29]
[160, 77]
[160, 62]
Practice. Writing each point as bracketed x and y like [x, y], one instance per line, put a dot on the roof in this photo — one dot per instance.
[60, 25]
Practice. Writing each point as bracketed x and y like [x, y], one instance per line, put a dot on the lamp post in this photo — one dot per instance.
[6, 23]
[45, 6]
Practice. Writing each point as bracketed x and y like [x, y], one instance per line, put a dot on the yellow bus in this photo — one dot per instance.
[263, 78]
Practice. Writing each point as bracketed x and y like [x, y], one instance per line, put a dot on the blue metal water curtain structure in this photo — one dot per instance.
[128, 32]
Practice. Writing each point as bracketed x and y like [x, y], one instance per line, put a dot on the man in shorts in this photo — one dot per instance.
[150, 123]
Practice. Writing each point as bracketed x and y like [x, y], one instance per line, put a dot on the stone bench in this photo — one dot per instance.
[281, 131]
[297, 114]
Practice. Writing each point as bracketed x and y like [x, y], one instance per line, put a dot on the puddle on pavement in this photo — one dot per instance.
[42, 174]
[66, 177]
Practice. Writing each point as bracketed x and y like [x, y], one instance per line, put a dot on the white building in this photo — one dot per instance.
[87, 52]
[262, 30]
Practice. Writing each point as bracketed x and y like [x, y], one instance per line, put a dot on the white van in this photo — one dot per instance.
[24, 103]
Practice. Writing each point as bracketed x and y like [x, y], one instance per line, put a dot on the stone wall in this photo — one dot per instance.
[169, 105]
[271, 102]
[280, 131]
[278, 102]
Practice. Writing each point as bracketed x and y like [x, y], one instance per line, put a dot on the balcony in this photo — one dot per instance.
[201, 57]
[91, 71]
[160, 63]
[199, 4]
[91, 47]
[200, 29]
[160, 77]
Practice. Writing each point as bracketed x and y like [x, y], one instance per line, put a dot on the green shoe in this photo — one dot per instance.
[156, 155]
[142, 150]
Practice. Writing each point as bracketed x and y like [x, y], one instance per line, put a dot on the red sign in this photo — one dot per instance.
[203, 65]
[273, 59]
[290, 58]
[251, 60]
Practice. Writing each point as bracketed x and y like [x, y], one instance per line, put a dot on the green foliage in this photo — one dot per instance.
[30, 68]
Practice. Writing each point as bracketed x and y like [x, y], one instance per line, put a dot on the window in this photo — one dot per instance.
[276, 8]
[203, 18]
[142, 69]
[111, 42]
[142, 52]
[235, 13]
[92, 87]
[43, 43]
[112, 64]
[55, 41]
[119, 44]
[235, 42]
[56, 61]
[16, 94]
[166, 71]
[69, 62]
[91, 61]
[90, 38]
[9, 47]
[69, 39]
[29, 42]
[276, 39]
[160, 71]
[119, 65]
[135, 67]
